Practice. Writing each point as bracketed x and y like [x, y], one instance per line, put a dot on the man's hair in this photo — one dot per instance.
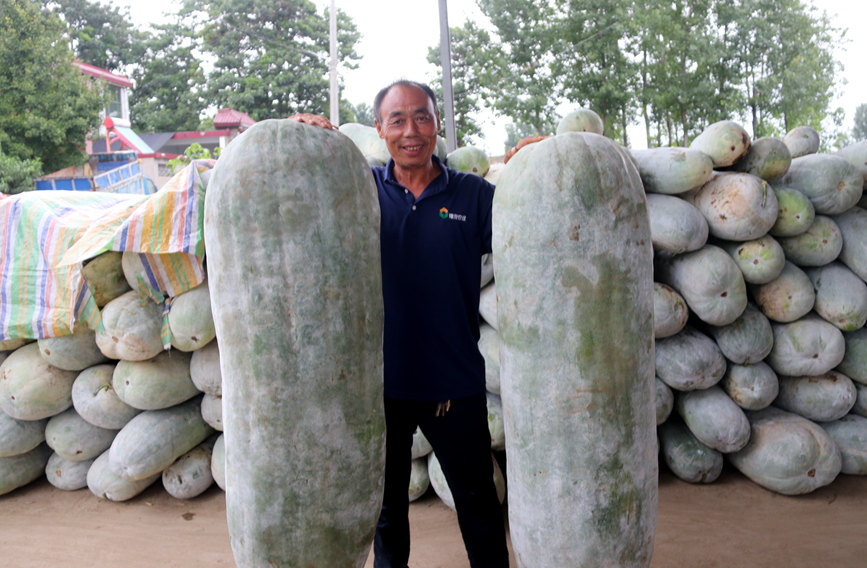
[377, 102]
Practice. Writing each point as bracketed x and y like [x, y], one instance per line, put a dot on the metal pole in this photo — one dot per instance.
[335, 94]
[448, 93]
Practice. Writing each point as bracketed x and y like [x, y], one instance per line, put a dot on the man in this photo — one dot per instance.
[436, 225]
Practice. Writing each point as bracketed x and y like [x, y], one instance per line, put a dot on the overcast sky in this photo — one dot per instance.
[396, 35]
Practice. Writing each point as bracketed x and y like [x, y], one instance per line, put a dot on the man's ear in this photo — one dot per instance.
[378, 128]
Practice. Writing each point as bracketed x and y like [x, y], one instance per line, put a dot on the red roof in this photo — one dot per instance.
[231, 118]
[104, 74]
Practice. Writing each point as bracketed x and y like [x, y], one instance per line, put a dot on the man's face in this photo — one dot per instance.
[410, 123]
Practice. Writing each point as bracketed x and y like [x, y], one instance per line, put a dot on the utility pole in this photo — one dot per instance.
[335, 93]
[448, 92]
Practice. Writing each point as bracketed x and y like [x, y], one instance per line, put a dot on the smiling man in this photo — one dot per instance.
[435, 227]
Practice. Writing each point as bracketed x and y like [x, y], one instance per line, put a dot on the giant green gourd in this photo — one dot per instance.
[573, 267]
[292, 234]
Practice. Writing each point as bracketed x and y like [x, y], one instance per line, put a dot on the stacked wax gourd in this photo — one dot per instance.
[113, 410]
[760, 344]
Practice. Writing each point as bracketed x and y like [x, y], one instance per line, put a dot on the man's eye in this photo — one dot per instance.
[397, 122]
[423, 118]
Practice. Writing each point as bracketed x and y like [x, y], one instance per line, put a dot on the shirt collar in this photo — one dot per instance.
[438, 184]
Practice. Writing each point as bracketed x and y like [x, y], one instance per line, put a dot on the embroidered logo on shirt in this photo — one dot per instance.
[444, 213]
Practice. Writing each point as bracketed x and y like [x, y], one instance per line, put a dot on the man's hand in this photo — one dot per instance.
[521, 144]
[314, 120]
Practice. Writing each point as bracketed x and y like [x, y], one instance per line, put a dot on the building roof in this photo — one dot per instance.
[231, 118]
[104, 74]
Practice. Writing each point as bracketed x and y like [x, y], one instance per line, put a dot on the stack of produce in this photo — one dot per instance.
[761, 350]
[113, 410]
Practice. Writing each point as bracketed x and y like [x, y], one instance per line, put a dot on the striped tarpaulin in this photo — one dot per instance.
[48, 235]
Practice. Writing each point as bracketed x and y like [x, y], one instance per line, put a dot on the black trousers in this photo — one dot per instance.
[462, 444]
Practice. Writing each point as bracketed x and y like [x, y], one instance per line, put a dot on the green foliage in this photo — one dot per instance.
[859, 131]
[169, 81]
[193, 152]
[678, 64]
[270, 58]
[468, 43]
[47, 106]
[361, 113]
[101, 35]
[18, 175]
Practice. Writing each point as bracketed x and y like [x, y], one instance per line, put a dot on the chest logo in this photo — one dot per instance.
[444, 214]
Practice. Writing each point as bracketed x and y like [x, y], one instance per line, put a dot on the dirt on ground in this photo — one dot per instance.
[730, 523]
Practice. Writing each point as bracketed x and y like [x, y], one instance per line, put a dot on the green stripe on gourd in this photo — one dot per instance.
[820, 398]
[572, 251]
[292, 233]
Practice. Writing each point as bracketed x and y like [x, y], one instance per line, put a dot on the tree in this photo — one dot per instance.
[594, 68]
[515, 76]
[468, 46]
[100, 35]
[169, 80]
[859, 131]
[361, 113]
[270, 57]
[47, 106]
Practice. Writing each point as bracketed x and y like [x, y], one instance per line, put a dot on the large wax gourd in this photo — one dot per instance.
[573, 266]
[292, 234]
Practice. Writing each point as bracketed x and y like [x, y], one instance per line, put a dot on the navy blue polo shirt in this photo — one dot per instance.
[431, 270]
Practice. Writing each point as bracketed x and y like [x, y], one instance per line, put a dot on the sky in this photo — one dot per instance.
[396, 35]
